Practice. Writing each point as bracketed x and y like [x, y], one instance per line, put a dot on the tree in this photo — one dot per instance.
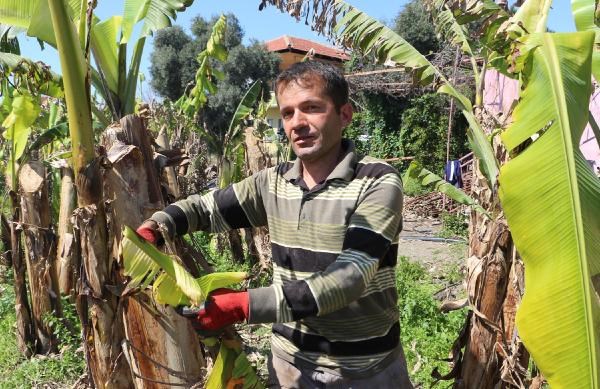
[167, 62]
[173, 69]
[415, 25]
[424, 130]
[173, 61]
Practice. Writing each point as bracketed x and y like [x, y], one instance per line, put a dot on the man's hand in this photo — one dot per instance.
[149, 231]
[222, 308]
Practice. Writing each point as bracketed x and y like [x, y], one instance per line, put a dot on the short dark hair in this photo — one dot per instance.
[304, 73]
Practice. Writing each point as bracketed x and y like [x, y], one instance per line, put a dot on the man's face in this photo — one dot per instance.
[310, 120]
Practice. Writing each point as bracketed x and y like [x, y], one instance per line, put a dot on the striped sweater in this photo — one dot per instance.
[333, 297]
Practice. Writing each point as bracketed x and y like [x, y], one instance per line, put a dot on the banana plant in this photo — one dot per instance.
[233, 156]
[112, 79]
[190, 103]
[175, 286]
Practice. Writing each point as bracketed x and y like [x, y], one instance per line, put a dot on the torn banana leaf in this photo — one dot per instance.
[174, 285]
[166, 290]
[232, 369]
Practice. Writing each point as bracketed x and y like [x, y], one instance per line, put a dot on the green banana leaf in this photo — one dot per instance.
[437, 183]
[166, 290]
[25, 111]
[143, 262]
[447, 26]
[242, 111]
[530, 18]
[583, 13]
[104, 34]
[198, 96]
[551, 200]
[58, 132]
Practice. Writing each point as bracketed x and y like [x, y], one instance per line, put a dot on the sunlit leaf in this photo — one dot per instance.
[143, 261]
[551, 200]
[104, 45]
[583, 13]
[166, 290]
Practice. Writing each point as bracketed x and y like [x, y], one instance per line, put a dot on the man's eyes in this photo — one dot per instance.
[308, 108]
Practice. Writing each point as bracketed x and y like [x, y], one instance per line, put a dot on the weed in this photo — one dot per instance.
[57, 370]
[454, 226]
[413, 187]
[427, 334]
[66, 329]
[16, 371]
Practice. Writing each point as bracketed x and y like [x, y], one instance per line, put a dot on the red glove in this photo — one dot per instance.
[222, 308]
[148, 232]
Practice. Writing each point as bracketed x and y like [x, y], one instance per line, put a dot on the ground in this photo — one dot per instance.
[436, 254]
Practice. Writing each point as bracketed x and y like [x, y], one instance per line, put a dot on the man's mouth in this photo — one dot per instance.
[303, 139]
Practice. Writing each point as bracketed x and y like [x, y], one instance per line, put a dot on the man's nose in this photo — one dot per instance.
[298, 121]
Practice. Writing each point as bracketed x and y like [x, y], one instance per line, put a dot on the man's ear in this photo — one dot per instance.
[346, 112]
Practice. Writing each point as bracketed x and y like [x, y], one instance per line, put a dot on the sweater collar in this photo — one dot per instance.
[343, 170]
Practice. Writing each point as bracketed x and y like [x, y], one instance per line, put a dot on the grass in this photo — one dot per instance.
[48, 371]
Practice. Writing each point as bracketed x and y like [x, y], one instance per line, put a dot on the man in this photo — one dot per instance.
[334, 218]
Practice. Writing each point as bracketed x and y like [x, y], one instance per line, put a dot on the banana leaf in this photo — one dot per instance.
[173, 284]
[231, 368]
[437, 183]
[583, 13]
[551, 200]
[198, 96]
[166, 291]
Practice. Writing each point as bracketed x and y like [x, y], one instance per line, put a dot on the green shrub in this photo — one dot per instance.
[412, 186]
[454, 226]
[424, 132]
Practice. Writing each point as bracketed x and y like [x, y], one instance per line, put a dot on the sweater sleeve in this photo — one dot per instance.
[239, 205]
[372, 228]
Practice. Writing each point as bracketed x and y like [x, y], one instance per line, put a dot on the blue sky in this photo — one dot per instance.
[266, 24]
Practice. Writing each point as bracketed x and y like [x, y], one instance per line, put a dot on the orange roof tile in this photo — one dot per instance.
[285, 43]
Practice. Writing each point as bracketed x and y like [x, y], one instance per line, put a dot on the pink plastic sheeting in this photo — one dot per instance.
[500, 92]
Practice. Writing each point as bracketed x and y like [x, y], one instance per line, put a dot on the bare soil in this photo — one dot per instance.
[435, 256]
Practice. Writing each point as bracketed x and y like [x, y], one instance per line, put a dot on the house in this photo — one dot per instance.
[292, 50]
